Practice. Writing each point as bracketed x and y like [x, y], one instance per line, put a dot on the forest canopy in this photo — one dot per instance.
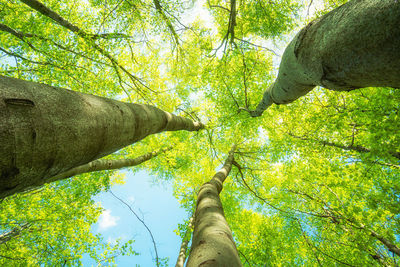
[315, 182]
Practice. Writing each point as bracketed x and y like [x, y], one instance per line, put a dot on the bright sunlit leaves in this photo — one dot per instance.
[312, 179]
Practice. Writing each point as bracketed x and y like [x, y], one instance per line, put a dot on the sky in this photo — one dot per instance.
[155, 204]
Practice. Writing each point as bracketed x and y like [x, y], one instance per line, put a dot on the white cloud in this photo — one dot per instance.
[131, 199]
[106, 220]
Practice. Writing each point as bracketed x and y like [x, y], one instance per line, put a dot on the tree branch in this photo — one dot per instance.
[107, 164]
[160, 10]
[350, 147]
[144, 224]
[41, 8]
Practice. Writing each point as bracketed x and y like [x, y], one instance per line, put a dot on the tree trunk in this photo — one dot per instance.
[106, 164]
[45, 131]
[212, 243]
[180, 262]
[356, 45]
[7, 236]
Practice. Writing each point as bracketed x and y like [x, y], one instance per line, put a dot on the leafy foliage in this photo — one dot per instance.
[316, 182]
[52, 225]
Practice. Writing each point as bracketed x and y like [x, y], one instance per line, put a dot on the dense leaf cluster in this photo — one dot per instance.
[315, 182]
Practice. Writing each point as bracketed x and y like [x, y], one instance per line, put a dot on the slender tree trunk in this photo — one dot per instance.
[106, 164]
[45, 131]
[7, 236]
[212, 243]
[180, 262]
[356, 45]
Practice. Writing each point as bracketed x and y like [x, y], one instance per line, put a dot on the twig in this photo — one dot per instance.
[259, 46]
[142, 221]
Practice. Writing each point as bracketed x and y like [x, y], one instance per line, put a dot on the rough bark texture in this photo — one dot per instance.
[212, 243]
[45, 130]
[180, 262]
[356, 45]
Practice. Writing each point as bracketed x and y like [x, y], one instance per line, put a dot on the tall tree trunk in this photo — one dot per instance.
[180, 262]
[212, 243]
[45, 131]
[106, 164]
[356, 45]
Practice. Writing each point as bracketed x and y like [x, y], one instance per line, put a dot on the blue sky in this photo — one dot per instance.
[156, 205]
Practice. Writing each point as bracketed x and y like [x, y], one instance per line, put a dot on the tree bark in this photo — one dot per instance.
[45, 131]
[212, 243]
[7, 236]
[180, 262]
[106, 164]
[356, 45]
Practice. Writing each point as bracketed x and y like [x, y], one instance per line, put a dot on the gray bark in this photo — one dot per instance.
[180, 262]
[45, 131]
[212, 243]
[356, 45]
[106, 164]
[7, 236]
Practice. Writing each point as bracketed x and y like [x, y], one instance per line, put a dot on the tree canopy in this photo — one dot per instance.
[315, 182]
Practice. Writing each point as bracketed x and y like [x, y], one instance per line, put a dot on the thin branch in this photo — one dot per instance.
[245, 258]
[7, 236]
[308, 8]
[255, 193]
[245, 81]
[44, 10]
[331, 257]
[142, 221]
[160, 10]
[309, 243]
[230, 92]
[259, 46]
[109, 13]
[217, 6]
[23, 36]
[23, 58]
[357, 148]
